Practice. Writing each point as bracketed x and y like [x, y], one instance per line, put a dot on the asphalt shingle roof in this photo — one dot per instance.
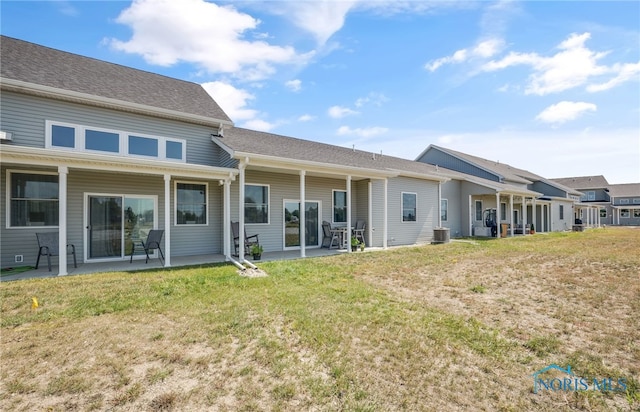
[625, 190]
[268, 144]
[583, 182]
[36, 64]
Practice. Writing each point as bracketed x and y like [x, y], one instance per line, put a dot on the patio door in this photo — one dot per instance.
[114, 222]
[292, 224]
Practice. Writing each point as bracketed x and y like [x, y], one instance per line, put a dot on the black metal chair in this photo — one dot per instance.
[329, 236]
[49, 245]
[153, 242]
[358, 231]
[248, 240]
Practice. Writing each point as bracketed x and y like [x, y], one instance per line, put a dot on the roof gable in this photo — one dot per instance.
[43, 66]
[583, 182]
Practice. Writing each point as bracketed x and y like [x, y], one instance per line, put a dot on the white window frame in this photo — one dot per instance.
[561, 212]
[444, 208]
[625, 211]
[636, 213]
[624, 201]
[123, 142]
[636, 200]
[175, 203]
[503, 212]
[268, 186]
[8, 197]
[478, 211]
[591, 195]
[333, 206]
[415, 218]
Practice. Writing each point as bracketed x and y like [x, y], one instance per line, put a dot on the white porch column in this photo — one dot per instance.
[470, 216]
[348, 232]
[534, 219]
[385, 224]
[63, 171]
[511, 214]
[241, 240]
[167, 220]
[498, 217]
[303, 212]
[439, 204]
[370, 214]
[549, 221]
[226, 220]
[523, 210]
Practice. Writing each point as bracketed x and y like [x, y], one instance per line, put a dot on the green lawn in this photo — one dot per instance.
[461, 326]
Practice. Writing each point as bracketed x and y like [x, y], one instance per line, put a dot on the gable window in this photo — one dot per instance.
[443, 209]
[339, 206]
[84, 138]
[561, 212]
[191, 203]
[624, 212]
[34, 199]
[409, 206]
[256, 203]
[479, 210]
[624, 201]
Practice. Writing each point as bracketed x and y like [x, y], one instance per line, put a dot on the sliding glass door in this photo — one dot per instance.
[114, 222]
[292, 224]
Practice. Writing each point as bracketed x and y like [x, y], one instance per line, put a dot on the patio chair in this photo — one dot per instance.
[329, 236]
[153, 242]
[248, 240]
[49, 245]
[358, 231]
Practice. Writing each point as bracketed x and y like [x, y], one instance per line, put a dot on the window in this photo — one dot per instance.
[256, 204]
[409, 203]
[636, 213]
[443, 209]
[191, 203]
[83, 138]
[34, 199]
[479, 210]
[624, 201]
[590, 195]
[636, 200]
[561, 212]
[503, 211]
[603, 212]
[339, 206]
[102, 141]
[144, 146]
[624, 212]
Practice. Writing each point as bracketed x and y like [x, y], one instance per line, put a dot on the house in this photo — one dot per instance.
[618, 204]
[494, 196]
[102, 153]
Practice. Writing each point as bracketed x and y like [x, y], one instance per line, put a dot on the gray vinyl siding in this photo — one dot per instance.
[438, 158]
[185, 240]
[547, 190]
[377, 211]
[457, 210]
[361, 211]
[281, 187]
[566, 223]
[25, 117]
[420, 231]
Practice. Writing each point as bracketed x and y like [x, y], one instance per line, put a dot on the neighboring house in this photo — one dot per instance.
[618, 204]
[102, 153]
[625, 202]
[487, 193]
[595, 192]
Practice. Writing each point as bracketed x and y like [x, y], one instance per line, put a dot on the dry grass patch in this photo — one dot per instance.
[450, 327]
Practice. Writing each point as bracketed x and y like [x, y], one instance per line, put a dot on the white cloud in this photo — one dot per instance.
[232, 100]
[572, 66]
[166, 32]
[260, 125]
[565, 111]
[321, 18]
[294, 85]
[306, 118]
[338, 112]
[361, 132]
[482, 50]
[376, 99]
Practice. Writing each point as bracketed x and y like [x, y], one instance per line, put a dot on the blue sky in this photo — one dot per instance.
[548, 86]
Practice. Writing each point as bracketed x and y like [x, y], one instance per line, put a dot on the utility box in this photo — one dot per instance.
[441, 235]
[504, 227]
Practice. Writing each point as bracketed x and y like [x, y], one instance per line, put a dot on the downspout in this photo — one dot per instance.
[63, 171]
